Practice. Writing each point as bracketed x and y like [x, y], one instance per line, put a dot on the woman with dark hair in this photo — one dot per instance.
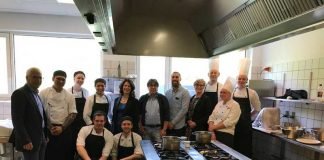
[125, 105]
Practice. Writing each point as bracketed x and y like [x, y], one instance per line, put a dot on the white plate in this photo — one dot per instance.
[308, 141]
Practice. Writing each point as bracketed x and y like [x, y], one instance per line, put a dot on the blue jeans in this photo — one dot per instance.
[152, 133]
[38, 154]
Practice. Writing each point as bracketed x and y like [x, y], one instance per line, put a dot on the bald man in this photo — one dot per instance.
[29, 118]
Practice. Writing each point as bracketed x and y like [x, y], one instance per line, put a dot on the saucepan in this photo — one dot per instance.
[202, 137]
[171, 143]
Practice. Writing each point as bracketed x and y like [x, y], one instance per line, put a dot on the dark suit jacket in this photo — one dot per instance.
[201, 113]
[26, 118]
[132, 110]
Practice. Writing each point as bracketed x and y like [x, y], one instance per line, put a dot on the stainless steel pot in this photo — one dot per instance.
[319, 133]
[202, 137]
[171, 143]
[293, 132]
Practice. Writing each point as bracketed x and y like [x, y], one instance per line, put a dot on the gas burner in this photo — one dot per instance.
[170, 155]
[212, 152]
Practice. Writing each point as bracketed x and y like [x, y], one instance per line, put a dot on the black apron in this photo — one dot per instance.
[94, 145]
[213, 97]
[104, 107]
[125, 151]
[78, 122]
[243, 128]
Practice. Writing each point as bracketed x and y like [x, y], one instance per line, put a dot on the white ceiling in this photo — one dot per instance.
[51, 7]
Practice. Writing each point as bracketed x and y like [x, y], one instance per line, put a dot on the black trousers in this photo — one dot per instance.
[177, 132]
[225, 138]
[59, 147]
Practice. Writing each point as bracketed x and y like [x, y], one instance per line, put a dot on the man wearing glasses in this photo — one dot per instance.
[29, 118]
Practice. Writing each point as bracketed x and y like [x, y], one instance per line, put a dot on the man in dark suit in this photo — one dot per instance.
[29, 118]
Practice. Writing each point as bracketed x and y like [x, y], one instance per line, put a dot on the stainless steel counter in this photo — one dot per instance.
[150, 153]
[230, 150]
[318, 149]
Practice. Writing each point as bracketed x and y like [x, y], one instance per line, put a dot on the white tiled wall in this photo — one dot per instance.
[5, 110]
[305, 74]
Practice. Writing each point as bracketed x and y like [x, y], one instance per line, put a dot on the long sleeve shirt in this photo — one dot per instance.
[179, 104]
[58, 105]
[228, 114]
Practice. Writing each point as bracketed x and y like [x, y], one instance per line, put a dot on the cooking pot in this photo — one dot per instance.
[293, 132]
[202, 137]
[319, 133]
[171, 143]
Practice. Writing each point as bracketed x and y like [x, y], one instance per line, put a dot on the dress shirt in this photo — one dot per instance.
[253, 96]
[89, 104]
[58, 105]
[78, 94]
[127, 142]
[179, 104]
[108, 136]
[228, 113]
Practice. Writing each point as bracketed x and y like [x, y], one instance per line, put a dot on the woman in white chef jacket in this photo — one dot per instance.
[250, 106]
[225, 115]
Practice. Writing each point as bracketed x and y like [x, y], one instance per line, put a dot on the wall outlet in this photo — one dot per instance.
[292, 115]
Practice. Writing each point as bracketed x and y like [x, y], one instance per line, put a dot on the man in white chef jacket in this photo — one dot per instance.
[61, 110]
[213, 87]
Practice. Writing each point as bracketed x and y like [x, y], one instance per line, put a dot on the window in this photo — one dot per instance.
[50, 54]
[229, 64]
[4, 49]
[190, 69]
[151, 67]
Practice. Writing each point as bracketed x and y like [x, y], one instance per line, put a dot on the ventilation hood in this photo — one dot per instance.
[195, 28]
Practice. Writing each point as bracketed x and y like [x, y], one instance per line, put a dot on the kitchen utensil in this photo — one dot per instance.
[293, 132]
[186, 144]
[171, 143]
[202, 137]
[308, 141]
[319, 133]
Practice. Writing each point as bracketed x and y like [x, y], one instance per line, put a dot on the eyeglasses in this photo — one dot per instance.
[37, 77]
[60, 79]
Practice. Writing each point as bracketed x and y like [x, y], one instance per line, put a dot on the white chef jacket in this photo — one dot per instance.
[253, 96]
[58, 105]
[89, 104]
[108, 136]
[213, 88]
[127, 142]
[229, 113]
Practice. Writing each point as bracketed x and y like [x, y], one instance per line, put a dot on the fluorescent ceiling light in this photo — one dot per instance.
[65, 1]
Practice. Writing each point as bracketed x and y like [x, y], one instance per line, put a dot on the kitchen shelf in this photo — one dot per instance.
[307, 101]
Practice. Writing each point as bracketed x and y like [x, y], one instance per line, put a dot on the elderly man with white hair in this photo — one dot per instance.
[223, 119]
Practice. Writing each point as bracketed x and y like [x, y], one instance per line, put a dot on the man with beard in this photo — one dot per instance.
[178, 98]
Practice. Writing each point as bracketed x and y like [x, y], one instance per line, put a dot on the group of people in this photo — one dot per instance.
[68, 124]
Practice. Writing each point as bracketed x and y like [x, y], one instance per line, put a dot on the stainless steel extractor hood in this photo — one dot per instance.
[194, 28]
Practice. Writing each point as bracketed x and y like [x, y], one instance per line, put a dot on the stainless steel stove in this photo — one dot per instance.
[212, 151]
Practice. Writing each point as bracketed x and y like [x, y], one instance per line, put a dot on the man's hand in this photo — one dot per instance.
[213, 137]
[142, 129]
[162, 132]
[211, 127]
[56, 130]
[191, 124]
[28, 146]
[170, 125]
